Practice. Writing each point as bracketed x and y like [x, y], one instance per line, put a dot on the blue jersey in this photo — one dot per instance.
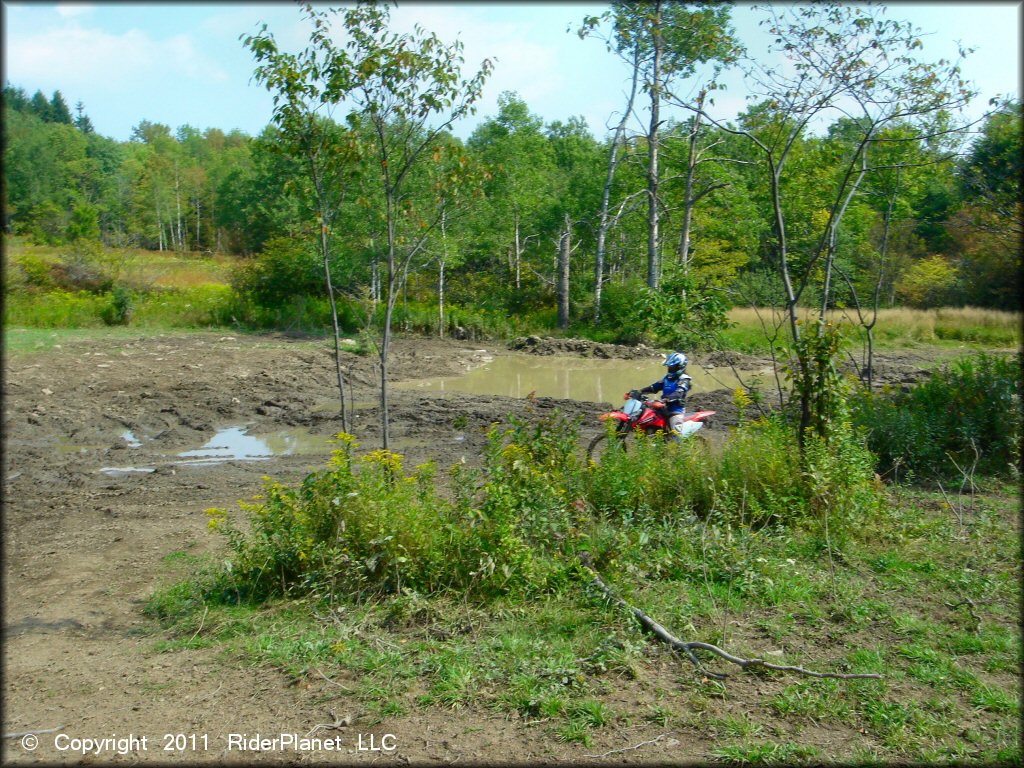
[673, 388]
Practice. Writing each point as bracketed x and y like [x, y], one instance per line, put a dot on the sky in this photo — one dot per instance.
[183, 63]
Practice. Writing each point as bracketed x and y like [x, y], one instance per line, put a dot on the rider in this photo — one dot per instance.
[673, 387]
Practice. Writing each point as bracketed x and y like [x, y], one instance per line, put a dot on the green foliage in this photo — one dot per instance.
[766, 753]
[284, 270]
[548, 650]
[55, 309]
[966, 415]
[202, 306]
[366, 527]
[32, 271]
[85, 223]
[928, 283]
[87, 265]
[817, 386]
[682, 313]
[121, 307]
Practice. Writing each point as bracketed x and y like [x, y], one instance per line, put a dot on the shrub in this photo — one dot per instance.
[683, 312]
[121, 306]
[367, 527]
[35, 272]
[617, 311]
[928, 283]
[967, 412]
[87, 266]
[758, 288]
[84, 223]
[285, 269]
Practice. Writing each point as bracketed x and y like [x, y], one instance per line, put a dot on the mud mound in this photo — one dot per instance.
[537, 345]
[724, 359]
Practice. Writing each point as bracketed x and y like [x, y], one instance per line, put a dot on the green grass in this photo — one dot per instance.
[202, 306]
[558, 660]
[19, 339]
[764, 753]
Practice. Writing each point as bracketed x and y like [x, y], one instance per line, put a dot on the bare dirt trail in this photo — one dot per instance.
[84, 548]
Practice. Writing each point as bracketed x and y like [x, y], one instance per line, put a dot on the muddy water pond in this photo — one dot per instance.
[573, 378]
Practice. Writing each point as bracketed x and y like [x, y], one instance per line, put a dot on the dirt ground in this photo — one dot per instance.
[83, 548]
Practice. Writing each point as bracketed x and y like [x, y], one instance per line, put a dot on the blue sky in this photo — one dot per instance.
[183, 63]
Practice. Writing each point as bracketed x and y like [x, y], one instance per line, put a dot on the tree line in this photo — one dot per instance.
[544, 219]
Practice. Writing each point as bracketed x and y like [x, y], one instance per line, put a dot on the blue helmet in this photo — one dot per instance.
[676, 361]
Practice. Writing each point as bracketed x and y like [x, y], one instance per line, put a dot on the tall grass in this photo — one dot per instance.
[899, 326]
[55, 309]
[199, 307]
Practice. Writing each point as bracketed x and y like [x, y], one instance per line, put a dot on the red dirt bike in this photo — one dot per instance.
[650, 417]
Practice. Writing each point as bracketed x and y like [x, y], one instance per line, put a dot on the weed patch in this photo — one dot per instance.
[406, 597]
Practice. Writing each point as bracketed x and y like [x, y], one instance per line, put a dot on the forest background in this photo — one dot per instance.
[942, 229]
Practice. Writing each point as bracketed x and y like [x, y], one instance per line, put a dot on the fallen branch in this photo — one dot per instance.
[201, 622]
[339, 722]
[655, 740]
[970, 609]
[21, 734]
[334, 682]
[688, 648]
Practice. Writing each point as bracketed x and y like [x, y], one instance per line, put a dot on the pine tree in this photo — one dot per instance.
[82, 121]
[59, 112]
[16, 98]
[40, 106]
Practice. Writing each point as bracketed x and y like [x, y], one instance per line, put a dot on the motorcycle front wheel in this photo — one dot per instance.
[601, 444]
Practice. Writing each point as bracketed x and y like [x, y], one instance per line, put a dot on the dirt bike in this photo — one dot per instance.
[643, 415]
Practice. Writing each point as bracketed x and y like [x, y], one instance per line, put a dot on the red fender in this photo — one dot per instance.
[614, 415]
[699, 416]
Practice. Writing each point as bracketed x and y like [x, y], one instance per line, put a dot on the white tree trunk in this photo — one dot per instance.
[518, 250]
[653, 267]
[564, 250]
[440, 276]
[177, 195]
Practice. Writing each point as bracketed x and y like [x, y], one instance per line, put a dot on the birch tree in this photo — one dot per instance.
[410, 88]
[839, 60]
[664, 44]
[306, 87]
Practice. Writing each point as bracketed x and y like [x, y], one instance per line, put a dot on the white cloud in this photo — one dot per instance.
[77, 9]
[73, 56]
[528, 49]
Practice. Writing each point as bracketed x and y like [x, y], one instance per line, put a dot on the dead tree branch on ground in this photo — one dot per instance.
[689, 648]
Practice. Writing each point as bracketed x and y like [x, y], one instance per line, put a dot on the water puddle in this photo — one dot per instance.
[126, 471]
[235, 444]
[67, 446]
[571, 378]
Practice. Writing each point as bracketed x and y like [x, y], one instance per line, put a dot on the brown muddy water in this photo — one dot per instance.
[572, 378]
